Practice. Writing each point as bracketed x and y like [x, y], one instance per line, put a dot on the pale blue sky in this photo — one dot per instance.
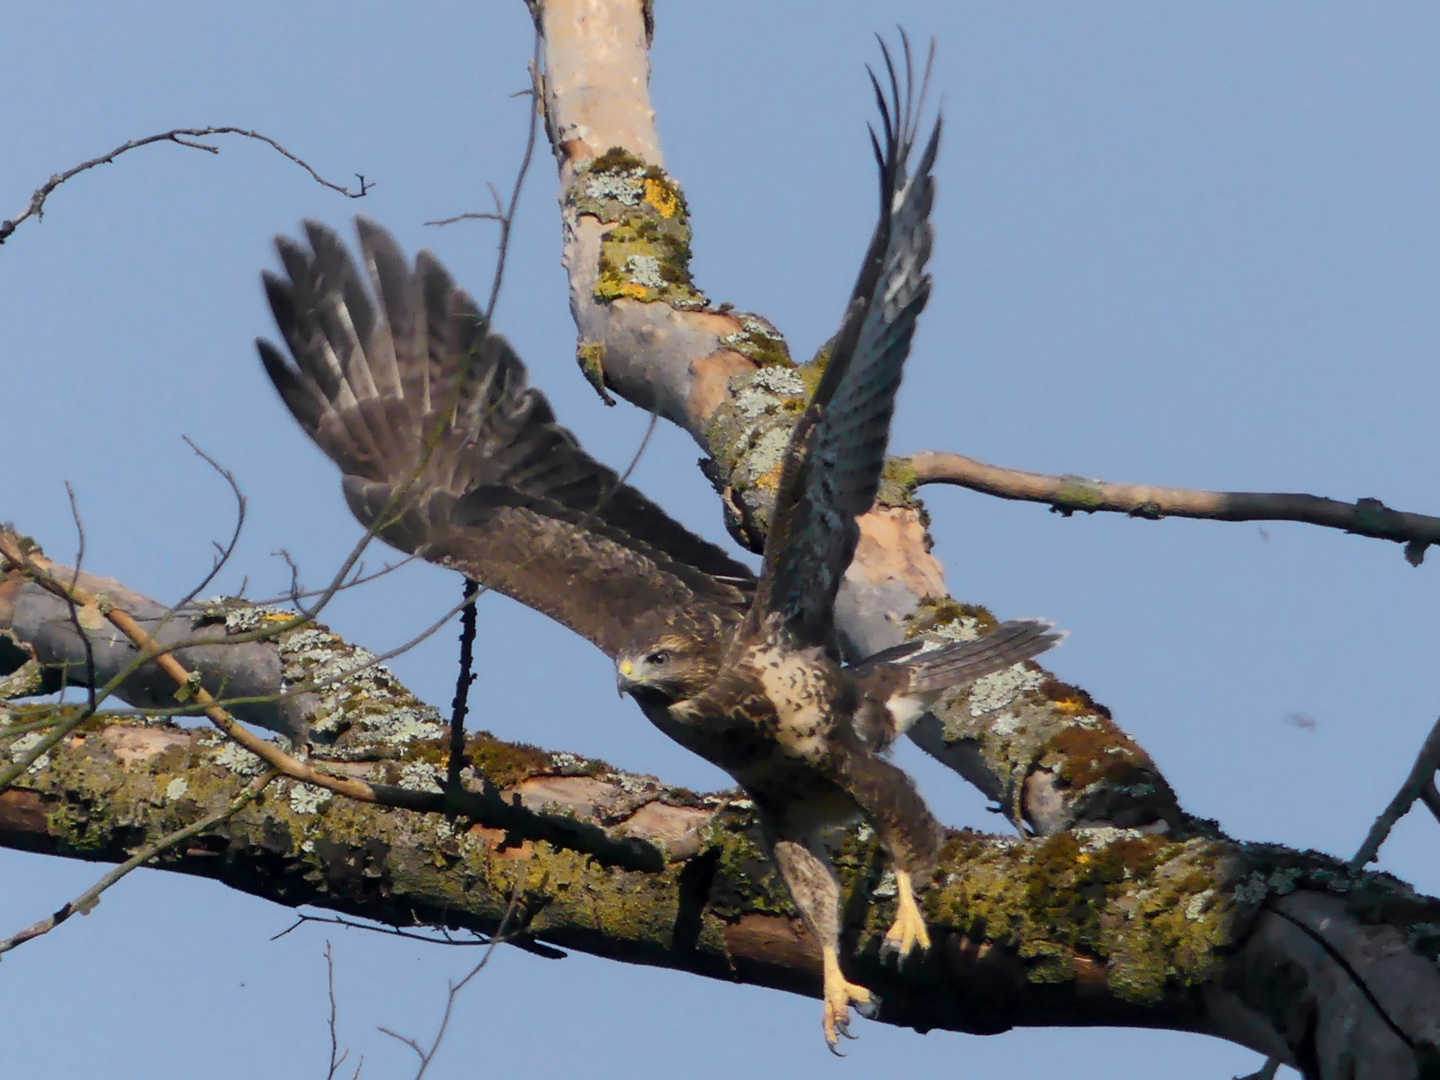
[1183, 244]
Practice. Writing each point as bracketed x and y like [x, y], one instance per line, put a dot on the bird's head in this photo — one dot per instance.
[663, 669]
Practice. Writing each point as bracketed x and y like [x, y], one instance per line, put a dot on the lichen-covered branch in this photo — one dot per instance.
[325, 687]
[1068, 494]
[1287, 953]
[648, 333]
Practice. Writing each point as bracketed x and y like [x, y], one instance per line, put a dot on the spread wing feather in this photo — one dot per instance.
[837, 452]
[449, 453]
[960, 662]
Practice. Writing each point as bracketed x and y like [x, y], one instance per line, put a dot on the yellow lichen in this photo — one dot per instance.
[661, 197]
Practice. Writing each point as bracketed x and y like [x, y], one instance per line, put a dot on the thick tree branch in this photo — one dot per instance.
[1175, 929]
[359, 701]
[1284, 952]
[1067, 494]
[86, 901]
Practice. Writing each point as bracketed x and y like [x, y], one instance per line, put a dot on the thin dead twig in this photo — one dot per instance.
[73, 610]
[223, 552]
[1068, 494]
[86, 901]
[182, 137]
[441, 935]
[464, 679]
[1420, 784]
[337, 1056]
[469, 622]
[427, 1056]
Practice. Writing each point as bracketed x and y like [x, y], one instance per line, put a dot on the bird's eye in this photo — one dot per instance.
[661, 657]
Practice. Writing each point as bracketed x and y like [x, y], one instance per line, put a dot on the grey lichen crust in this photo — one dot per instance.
[341, 688]
[747, 436]
[749, 432]
[1055, 757]
[1026, 724]
[645, 251]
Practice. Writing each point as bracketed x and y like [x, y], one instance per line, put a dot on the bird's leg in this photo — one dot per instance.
[816, 893]
[908, 929]
[910, 834]
[840, 994]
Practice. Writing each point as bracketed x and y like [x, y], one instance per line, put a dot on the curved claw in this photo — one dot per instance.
[840, 996]
[891, 949]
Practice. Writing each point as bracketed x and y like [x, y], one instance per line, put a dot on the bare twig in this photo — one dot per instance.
[441, 936]
[337, 1056]
[427, 1056]
[472, 216]
[1431, 797]
[460, 706]
[74, 611]
[223, 552]
[360, 578]
[505, 215]
[86, 901]
[1420, 784]
[183, 137]
[1067, 494]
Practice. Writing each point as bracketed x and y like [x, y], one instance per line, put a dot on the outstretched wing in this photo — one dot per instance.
[449, 453]
[836, 454]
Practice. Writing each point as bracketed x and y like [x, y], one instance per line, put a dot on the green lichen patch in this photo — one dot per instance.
[898, 484]
[759, 340]
[354, 695]
[645, 252]
[1078, 493]
[1372, 897]
[961, 622]
[590, 355]
[745, 880]
[505, 764]
[748, 436]
[1153, 910]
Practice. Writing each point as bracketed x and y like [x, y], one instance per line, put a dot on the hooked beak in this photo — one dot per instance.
[623, 681]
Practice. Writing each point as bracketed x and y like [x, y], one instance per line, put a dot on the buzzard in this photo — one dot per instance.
[448, 453]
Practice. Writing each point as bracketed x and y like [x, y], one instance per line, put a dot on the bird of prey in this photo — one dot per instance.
[448, 453]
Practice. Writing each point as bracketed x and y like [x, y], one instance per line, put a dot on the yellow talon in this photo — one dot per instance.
[840, 995]
[908, 930]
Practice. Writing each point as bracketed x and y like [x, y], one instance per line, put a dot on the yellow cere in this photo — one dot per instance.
[626, 668]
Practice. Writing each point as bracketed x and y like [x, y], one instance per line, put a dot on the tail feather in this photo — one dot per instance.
[965, 661]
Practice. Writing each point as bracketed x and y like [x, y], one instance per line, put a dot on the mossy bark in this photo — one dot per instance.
[1094, 926]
